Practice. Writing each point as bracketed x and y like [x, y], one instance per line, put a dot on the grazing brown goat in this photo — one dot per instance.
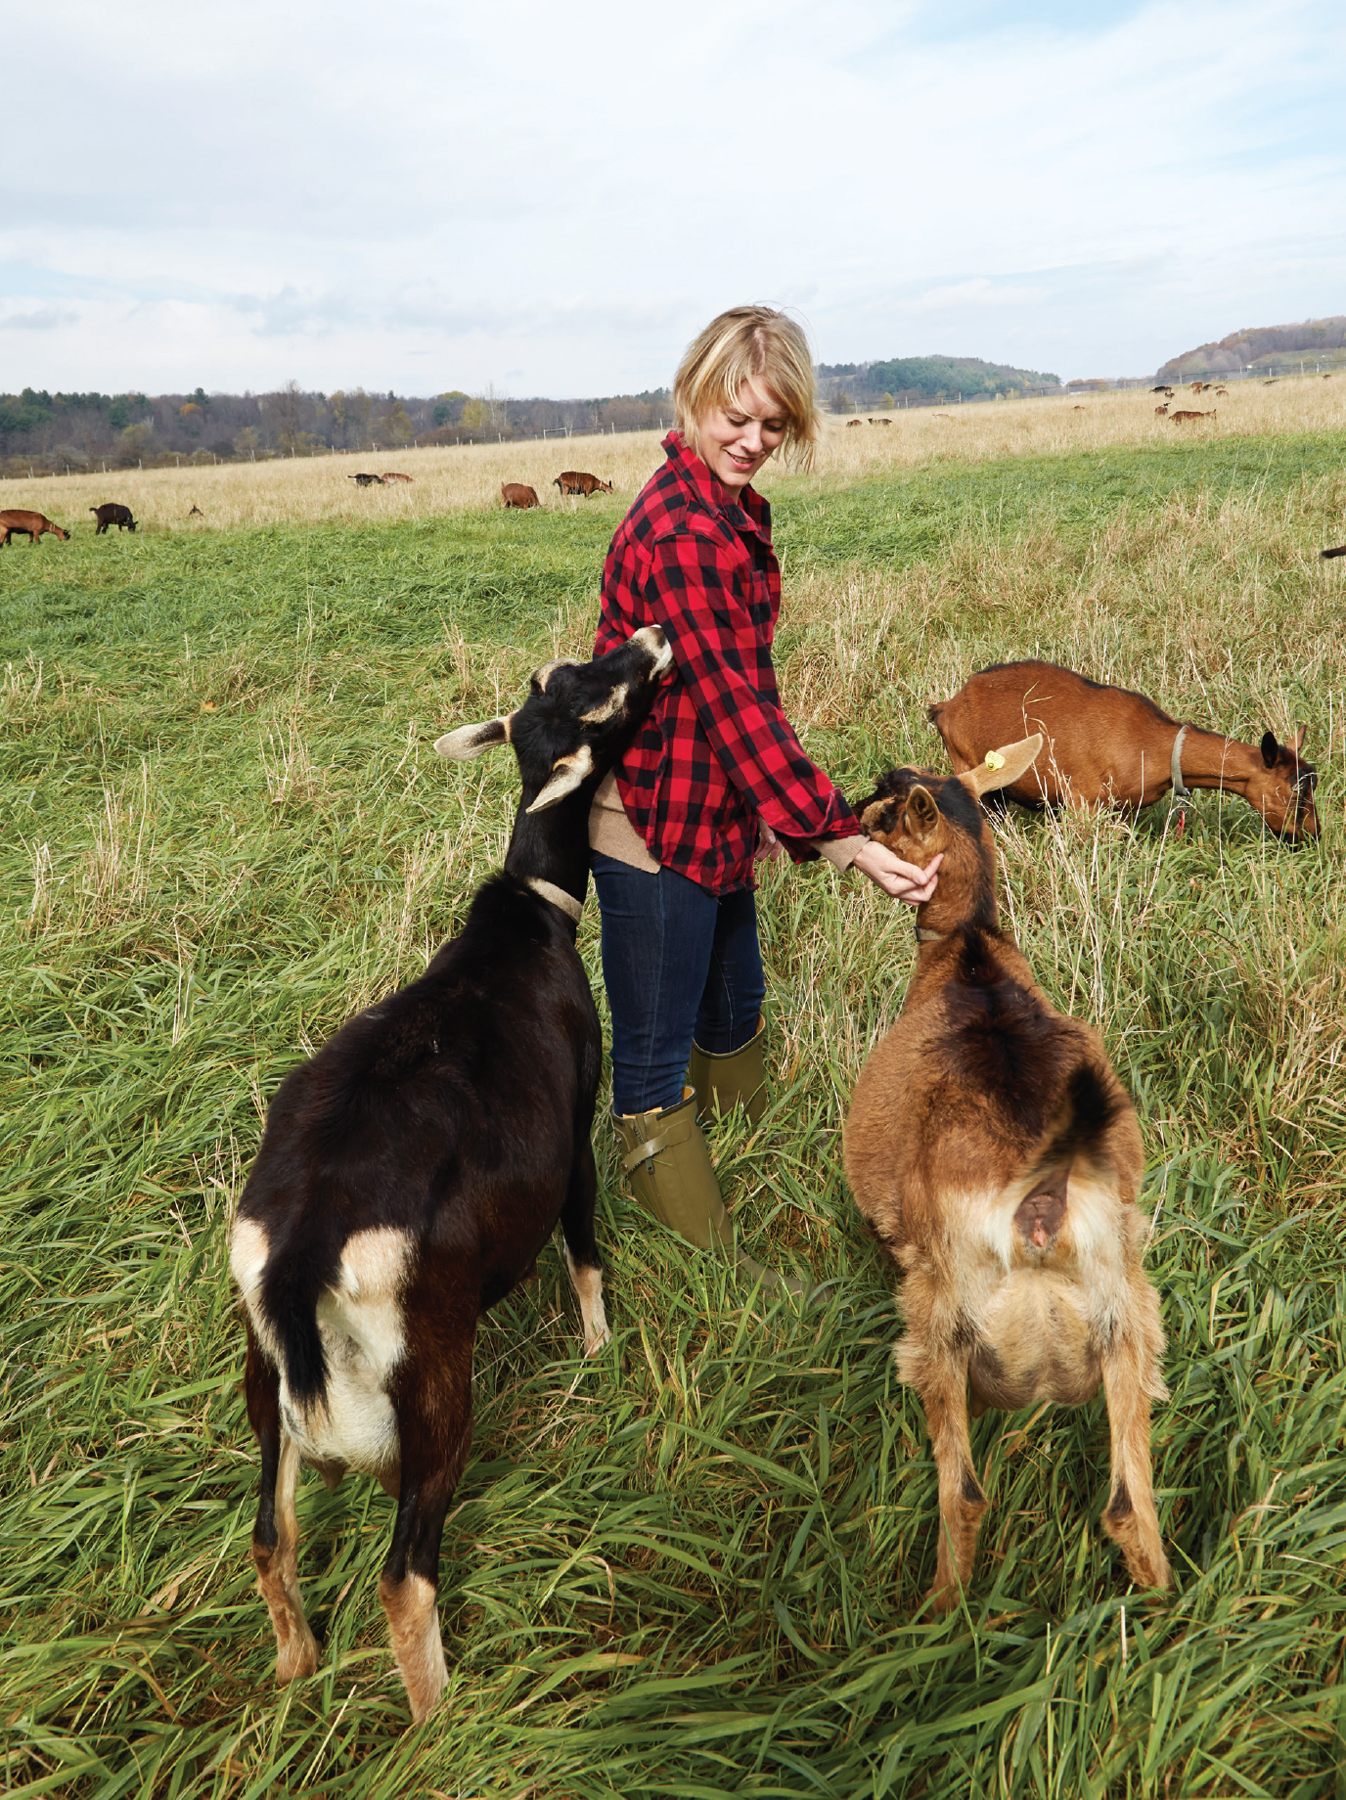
[997, 1157]
[1222, 391]
[516, 494]
[1108, 746]
[1182, 417]
[1160, 411]
[34, 523]
[575, 481]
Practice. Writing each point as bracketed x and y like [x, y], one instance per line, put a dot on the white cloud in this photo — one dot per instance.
[977, 292]
[339, 193]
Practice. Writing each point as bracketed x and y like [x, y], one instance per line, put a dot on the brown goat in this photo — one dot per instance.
[1108, 746]
[516, 494]
[392, 475]
[997, 1158]
[576, 481]
[34, 523]
[1180, 415]
[1161, 410]
[852, 423]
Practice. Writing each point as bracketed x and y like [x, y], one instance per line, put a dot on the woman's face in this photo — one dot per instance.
[734, 444]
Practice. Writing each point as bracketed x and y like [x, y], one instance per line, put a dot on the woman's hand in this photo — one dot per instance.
[899, 880]
[769, 846]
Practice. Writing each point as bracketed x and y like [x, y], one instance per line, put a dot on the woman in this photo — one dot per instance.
[716, 778]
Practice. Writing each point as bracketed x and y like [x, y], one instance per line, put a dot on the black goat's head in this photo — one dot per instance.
[576, 721]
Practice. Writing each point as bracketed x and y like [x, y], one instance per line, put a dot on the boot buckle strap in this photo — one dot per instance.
[645, 1152]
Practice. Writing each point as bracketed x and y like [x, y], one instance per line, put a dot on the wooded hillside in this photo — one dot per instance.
[1263, 346]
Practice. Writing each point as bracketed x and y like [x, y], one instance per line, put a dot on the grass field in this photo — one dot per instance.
[690, 1566]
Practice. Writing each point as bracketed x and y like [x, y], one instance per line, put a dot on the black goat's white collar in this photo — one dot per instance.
[569, 905]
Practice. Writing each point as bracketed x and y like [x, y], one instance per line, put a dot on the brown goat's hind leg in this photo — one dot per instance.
[943, 1390]
[434, 1418]
[1130, 1374]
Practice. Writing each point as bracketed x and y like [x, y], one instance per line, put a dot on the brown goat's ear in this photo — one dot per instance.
[567, 773]
[922, 815]
[1003, 766]
[470, 740]
[1297, 741]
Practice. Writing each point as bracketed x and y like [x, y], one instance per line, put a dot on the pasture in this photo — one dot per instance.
[690, 1565]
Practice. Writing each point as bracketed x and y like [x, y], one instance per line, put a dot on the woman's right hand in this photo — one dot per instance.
[899, 880]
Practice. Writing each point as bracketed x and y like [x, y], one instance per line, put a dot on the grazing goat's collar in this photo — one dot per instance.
[569, 905]
[1175, 767]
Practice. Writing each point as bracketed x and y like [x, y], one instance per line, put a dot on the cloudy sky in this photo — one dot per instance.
[429, 194]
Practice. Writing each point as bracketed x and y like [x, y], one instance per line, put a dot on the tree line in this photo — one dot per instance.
[916, 380]
[56, 432]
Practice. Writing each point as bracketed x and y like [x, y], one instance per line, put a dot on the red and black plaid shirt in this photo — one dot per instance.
[717, 752]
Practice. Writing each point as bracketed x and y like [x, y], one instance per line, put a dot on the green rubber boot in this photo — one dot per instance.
[667, 1162]
[737, 1078]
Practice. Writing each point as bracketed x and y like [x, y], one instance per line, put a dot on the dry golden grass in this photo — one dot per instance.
[318, 490]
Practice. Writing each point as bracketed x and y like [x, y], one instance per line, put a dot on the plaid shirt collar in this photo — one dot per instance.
[749, 510]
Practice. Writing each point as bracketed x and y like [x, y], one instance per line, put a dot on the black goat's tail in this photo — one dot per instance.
[289, 1304]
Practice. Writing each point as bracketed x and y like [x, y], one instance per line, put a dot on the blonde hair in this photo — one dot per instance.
[750, 343]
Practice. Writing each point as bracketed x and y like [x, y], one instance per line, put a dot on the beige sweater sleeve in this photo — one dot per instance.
[840, 852]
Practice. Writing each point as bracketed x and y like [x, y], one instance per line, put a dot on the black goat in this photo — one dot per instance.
[413, 1169]
[365, 481]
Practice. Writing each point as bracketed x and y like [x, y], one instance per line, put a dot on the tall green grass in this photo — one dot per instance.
[692, 1565]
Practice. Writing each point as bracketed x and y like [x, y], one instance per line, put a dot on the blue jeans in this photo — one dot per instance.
[678, 963]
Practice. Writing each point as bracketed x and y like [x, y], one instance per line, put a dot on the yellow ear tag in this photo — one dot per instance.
[994, 760]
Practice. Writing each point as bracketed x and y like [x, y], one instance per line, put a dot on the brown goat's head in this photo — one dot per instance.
[1282, 790]
[918, 815]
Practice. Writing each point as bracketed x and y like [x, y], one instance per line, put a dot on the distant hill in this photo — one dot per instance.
[915, 378]
[1263, 346]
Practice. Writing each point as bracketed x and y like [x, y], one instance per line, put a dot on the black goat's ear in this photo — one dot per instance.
[1270, 749]
[470, 740]
[567, 773]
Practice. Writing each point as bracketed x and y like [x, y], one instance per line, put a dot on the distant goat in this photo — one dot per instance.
[997, 1158]
[364, 481]
[1160, 411]
[852, 423]
[575, 481]
[34, 523]
[112, 514]
[516, 494]
[392, 475]
[1182, 417]
[1107, 746]
[196, 513]
[880, 421]
[412, 1170]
